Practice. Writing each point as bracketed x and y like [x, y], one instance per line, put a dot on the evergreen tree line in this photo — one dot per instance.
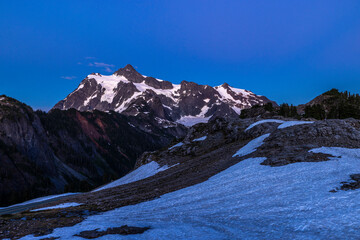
[333, 105]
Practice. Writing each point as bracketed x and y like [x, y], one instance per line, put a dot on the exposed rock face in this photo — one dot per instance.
[283, 146]
[129, 92]
[47, 153]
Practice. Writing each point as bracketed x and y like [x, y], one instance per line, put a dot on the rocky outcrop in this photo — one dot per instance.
[283, 146]
[129, 92]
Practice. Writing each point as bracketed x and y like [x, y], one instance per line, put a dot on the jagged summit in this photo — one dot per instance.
[130, 73]
[129, 92]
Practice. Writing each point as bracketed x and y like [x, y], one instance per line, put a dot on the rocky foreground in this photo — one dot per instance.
[242, 178]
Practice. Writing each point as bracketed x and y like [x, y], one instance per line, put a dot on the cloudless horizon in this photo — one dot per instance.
[288, 51]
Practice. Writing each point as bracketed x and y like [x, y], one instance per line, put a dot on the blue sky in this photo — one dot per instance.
[289, 51]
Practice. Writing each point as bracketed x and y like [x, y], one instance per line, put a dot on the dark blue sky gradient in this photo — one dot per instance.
[289, 51]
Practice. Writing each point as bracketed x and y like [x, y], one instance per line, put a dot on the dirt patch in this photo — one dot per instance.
[349, 185]
[123, 230]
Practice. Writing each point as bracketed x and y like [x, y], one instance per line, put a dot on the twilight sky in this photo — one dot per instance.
[289, 51]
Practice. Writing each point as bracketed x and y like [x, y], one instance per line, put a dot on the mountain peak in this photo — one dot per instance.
[129, 68]
[225, 85]
[130, 73]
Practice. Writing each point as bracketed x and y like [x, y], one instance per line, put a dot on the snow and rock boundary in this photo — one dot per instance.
[199, 161]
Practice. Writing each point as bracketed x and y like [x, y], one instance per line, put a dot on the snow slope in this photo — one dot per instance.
[251, 146]
[176, 145]
[63, 205]
[284, 124]
[293, 123]
[145, 171]
[192, 120]
[248, 201]
[263, 121]
[41, 199]
[200, 139]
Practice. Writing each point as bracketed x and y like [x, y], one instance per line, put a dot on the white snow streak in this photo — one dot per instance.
[63, 205]
[251, 146]
[192, 120]
[264, 121]
[189, 121]
[41, 199]
[293, 123]
[109, 83]
[176, 145]
[284, 124]
[145, 171]
[200, 139]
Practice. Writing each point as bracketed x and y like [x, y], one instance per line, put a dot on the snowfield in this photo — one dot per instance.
[176, 145]
[251, 146]
[41, 199]
[263, 121]
[293, 123]
[247, 201]
[200, 139]
[283, 124]
[145, 171]
[63, 205]
[189, 121]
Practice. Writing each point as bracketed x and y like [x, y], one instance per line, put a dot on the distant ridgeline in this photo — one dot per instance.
[329, 105]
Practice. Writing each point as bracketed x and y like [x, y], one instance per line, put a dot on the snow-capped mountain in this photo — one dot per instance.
[127, 91]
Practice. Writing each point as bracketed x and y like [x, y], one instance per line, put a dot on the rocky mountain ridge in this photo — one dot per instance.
[47, 153]
[130, 93]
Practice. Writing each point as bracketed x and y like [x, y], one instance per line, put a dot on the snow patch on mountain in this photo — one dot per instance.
[293, 123]
[145, 171]
[264, 121]
[283, 124]
[41, 199]
[189, 121]
[63, 205]
[339, 152]
[176, 145]
[109, 84]
[199, 139]
[251, 146]
[125, 104]
[170, 93]
[240, 91]
[192, 120]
